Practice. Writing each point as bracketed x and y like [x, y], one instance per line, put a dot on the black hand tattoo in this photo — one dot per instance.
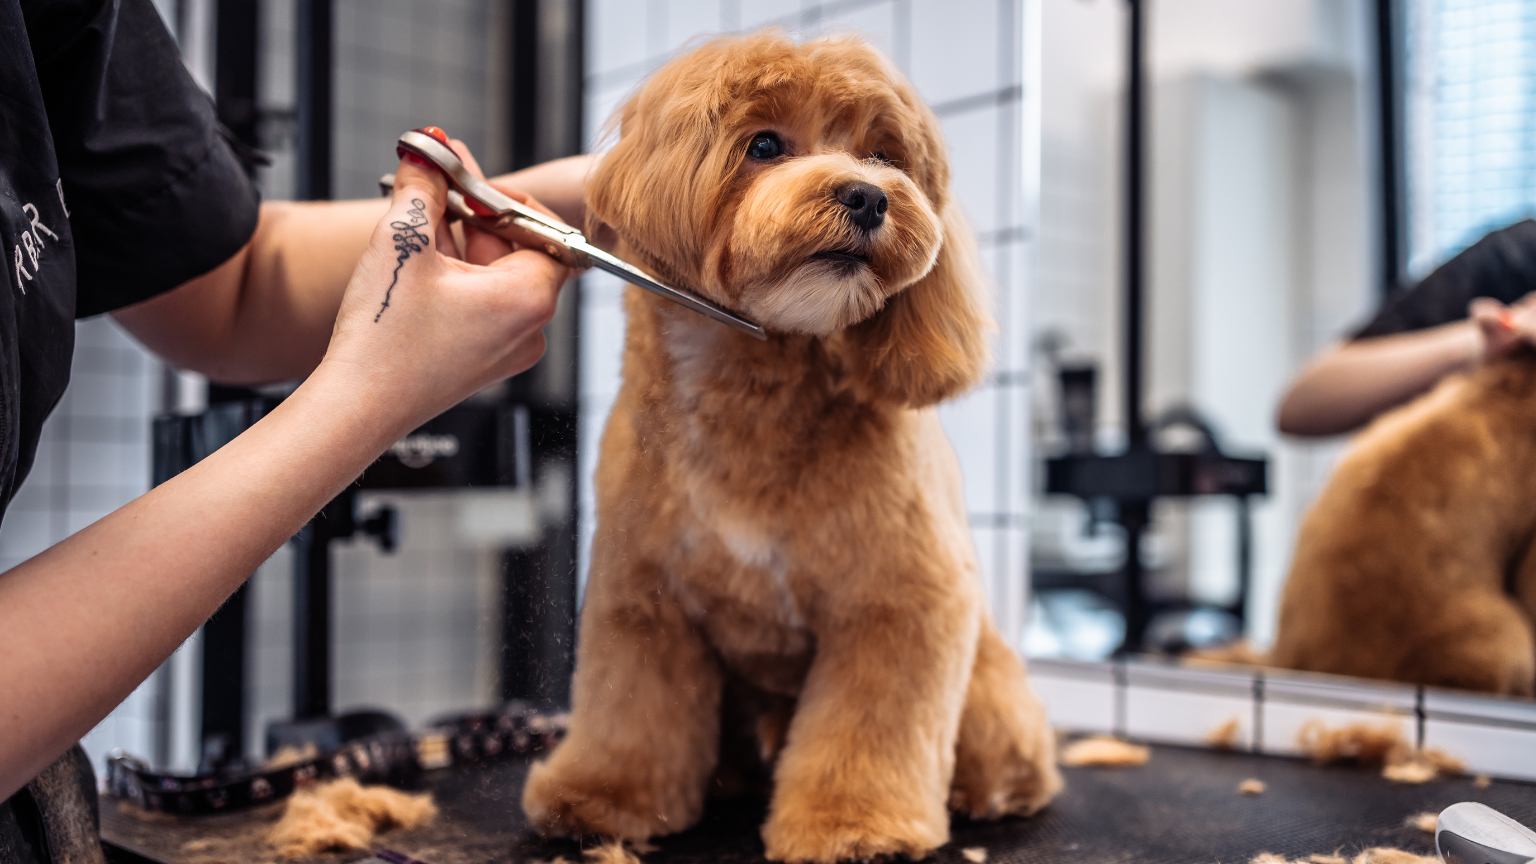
[408, 241]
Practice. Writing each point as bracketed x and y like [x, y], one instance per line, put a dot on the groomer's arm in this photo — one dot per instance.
[84, 622]
[1351, 383]
[266, 314]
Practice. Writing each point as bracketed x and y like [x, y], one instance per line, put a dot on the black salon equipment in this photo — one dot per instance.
[473, 445]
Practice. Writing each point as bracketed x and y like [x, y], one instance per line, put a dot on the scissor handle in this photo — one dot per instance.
[519, 229]
[478, 203]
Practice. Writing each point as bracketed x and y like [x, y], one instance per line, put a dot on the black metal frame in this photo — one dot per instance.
[544, 85]
[1390, 140]
[1130, 481]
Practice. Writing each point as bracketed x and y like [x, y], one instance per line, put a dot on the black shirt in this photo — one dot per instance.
[116, 184]
[1502, 265]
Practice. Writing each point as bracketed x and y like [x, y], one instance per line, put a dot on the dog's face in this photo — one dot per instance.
[798, 184]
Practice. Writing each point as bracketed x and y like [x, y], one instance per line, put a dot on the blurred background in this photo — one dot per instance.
[1300, 157]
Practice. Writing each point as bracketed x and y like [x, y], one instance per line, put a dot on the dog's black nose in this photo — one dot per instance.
[866, 204]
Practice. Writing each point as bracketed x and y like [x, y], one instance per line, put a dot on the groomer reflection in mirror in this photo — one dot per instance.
[1476, 306]
[118, 194]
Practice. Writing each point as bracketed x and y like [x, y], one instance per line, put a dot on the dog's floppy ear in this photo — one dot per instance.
[659, 180]
[930, 341]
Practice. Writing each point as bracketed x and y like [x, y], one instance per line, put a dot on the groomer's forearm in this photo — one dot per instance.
[558, 184]
[84, 622]
[266, 314]
[1352, 383]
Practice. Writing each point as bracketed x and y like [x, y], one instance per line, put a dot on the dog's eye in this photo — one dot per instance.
[765, 146]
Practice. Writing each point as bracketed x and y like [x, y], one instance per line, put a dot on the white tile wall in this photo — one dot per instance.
[1184, 706]
[1078, 697]
[966, 59]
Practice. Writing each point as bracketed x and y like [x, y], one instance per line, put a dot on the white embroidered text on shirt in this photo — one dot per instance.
[33, 244]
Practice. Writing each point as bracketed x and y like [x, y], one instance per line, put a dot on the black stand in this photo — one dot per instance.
[1132, 480]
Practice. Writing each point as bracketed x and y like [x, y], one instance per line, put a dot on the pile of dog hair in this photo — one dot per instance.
[1378, 855]
[1225, 736]
[1376, 744]
[1104, 752]
[344, 816]
[612, 852]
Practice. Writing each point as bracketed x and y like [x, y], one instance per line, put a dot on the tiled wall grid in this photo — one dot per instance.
[967, 60]
[1168, 704]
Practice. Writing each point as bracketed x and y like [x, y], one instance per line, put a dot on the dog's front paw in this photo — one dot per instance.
[847, 831]
[1005, 758]
[1016, 783]
[562, 800]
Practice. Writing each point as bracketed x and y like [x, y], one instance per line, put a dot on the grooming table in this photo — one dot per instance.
[1181, 808]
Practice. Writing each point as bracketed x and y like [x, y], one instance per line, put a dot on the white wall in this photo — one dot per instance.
[969, 60]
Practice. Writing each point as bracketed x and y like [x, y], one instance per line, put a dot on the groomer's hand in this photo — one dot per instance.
[1503, 328]
[420, 328]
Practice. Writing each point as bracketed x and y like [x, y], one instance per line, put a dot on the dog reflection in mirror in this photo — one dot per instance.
[782, 577]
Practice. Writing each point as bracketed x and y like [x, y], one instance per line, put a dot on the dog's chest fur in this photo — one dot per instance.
[753, 456]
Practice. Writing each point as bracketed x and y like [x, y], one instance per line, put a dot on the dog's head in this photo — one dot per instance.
[805, 186]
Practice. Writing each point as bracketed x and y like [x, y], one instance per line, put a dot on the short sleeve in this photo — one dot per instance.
[1501, 265]
[156, 193]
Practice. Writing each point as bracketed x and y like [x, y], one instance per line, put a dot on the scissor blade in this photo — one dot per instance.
[635, 276]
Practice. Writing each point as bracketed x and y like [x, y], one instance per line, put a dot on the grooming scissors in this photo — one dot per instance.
[478, 203]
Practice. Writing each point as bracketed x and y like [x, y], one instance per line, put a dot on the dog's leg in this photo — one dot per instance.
[1525, 586]
[1475, 641]
[645, 720]
[866, 769]
[1005, 758]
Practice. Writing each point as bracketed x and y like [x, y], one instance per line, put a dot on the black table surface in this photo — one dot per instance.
[1183, 807]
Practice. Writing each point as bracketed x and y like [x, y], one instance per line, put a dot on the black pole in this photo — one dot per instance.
[1391, 164]
[316, 30]
[1135, 119]
[223, 648]
[312, 605]
[1134, 514]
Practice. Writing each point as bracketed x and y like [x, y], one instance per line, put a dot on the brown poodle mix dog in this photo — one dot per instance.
[1415, 563]
[781, 539]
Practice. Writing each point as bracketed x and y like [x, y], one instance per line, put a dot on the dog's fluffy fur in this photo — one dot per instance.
[1416, 563]
[780, 530]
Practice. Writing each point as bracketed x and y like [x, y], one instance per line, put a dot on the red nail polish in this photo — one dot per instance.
[412, 158]
[435, 132]
[1506, 320]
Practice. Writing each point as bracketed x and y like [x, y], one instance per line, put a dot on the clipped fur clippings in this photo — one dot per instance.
[1375, 855]
[1251, 786]
[1102, 751]
[1426, 822]
[1225, 736]
[974, 854]
[1376, 744]
[614, 852]
[344, 816]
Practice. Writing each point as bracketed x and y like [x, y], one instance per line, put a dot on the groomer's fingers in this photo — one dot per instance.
[417, 180]
[480, 247]
[1497, 325]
